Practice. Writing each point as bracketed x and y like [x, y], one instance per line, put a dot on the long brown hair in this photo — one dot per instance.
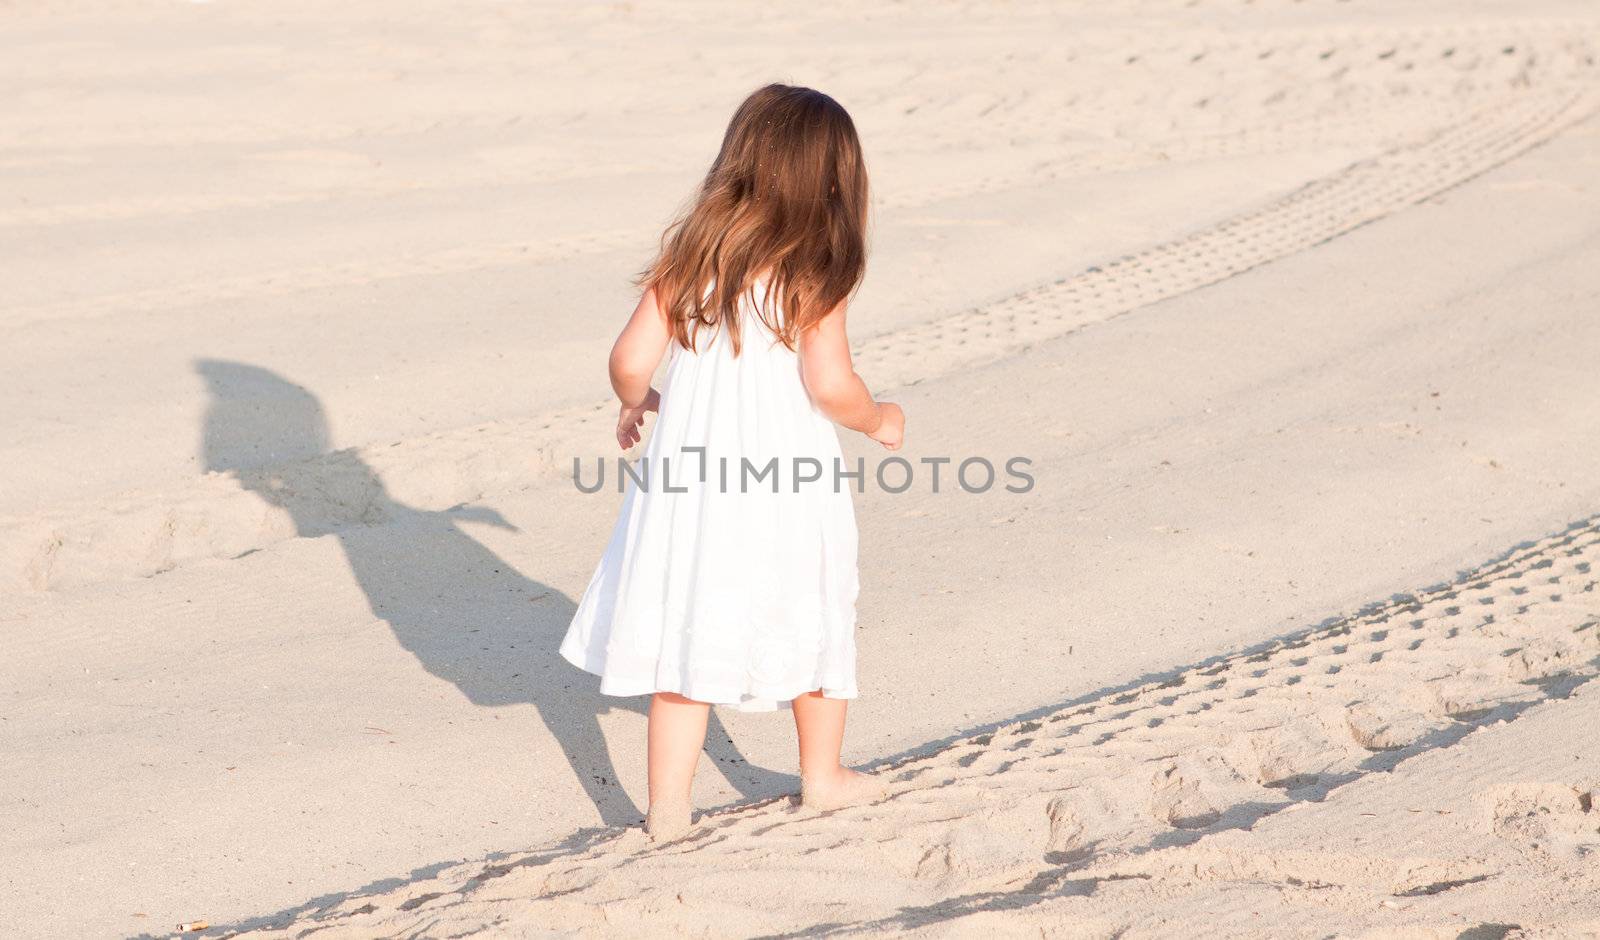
[785, 201]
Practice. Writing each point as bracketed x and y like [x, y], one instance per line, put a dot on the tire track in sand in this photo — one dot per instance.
[140, 534]
[1087, 793]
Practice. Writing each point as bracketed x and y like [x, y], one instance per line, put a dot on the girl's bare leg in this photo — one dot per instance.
[825, 783]
[676, 737]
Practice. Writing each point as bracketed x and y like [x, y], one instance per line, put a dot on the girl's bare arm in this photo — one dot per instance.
[831, 381]
[638, 351]
[634, 357]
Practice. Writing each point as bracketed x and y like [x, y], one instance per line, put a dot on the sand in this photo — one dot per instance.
[1291, 306]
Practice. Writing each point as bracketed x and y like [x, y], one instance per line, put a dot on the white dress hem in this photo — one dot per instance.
[764, 698]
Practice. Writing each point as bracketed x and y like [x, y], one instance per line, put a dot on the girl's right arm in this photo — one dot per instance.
[831, 381]
[634, 358]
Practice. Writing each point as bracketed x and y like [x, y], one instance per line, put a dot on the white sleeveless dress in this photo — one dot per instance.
[728, 592]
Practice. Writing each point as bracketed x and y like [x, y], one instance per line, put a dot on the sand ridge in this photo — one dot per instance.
[1047, 818]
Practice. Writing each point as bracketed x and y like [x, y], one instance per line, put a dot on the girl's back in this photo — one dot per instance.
[752, 403]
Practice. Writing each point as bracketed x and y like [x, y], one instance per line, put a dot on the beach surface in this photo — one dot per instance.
[1289, 306]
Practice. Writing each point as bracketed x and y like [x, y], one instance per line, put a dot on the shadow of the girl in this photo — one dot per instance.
[468, 616]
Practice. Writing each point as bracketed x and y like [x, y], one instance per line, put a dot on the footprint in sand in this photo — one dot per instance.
[1558, 818]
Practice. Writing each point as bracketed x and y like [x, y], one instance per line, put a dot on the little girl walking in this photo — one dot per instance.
[730, 578]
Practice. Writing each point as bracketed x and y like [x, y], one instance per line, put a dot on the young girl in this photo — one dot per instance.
[730, 577]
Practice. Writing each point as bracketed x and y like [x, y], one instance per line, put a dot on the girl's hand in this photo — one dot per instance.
[892, 429]
[630, 420]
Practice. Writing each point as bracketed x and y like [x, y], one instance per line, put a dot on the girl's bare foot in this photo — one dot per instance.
[666, 821]
[843, 787]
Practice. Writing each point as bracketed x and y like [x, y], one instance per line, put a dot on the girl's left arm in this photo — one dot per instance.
[634, 357]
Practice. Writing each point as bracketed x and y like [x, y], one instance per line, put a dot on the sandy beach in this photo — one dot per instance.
[1291, 306]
